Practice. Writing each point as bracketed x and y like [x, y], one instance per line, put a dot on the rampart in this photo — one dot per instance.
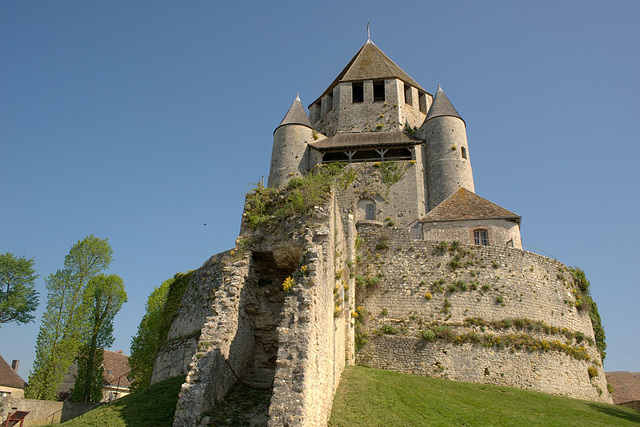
[484, 314]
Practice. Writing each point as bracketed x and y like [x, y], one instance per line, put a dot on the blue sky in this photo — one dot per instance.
[142, 121]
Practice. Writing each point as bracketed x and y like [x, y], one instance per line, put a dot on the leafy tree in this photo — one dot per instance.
[18, 297]
[64, 323]
[104, 296]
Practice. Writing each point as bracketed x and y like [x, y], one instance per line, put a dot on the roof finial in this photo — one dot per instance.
[298, 97]
[368, 32]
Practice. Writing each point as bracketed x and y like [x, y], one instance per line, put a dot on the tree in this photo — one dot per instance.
[104, 296]
[18, 297]
[64, 322]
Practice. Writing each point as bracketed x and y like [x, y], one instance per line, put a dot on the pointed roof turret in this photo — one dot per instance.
[370, 63]
[296, 115]
[441, 107]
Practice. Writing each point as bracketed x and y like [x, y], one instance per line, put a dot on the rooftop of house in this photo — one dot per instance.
[370, 63]
[116, 366]
[9, 377]
[466, 205]
[626, 386]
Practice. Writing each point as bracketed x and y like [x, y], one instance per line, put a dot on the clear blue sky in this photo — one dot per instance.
[142, 121]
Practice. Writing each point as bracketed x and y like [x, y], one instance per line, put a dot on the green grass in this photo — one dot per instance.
[370, 397]
[152, 406]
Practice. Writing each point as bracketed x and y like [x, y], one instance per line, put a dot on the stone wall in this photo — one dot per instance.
[43, 412]
[174, 358]
[501, 232]
[414, 287]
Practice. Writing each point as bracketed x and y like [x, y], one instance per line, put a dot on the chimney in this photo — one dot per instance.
[14, 365]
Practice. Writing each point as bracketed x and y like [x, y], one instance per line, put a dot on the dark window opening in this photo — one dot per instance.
[330, 102]
[378, 90]
[464, 152]
[357, 92]
[408, 99]
[481, 237]
[338, 156]
[423, 103]
[398, 154]
[365, 155]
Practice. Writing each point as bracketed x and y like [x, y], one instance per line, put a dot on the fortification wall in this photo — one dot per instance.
[452, 312]
[196, 305]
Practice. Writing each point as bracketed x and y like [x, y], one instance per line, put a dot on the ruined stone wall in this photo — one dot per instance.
[314, 334]
[174, 358]
[419, 296]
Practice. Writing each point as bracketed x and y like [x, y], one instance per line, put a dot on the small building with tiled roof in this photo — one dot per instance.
[11, 384]
[626, 388]
[115, 380]
[468, 218]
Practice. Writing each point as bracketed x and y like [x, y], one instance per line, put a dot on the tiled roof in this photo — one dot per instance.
[365, 139]
[626, 386]
[296, 115]
[370, 63]
[116, 365]
[441, 107]
[463, 204]
[9, 377]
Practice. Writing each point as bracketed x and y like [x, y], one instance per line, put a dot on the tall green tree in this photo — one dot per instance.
[103, 298]
[18, 296]
[64, 323]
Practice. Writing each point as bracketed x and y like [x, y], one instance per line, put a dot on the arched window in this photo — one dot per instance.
[481, 237]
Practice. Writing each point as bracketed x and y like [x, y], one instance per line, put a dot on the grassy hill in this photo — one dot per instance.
[152, 406]
[369, 397]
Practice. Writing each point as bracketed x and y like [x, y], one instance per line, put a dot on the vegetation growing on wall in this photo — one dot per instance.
[163, 303]
[391, 172]
[584, 301]
[267, 204]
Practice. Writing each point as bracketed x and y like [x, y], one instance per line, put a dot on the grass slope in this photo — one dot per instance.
[153, 406]
[369, 397]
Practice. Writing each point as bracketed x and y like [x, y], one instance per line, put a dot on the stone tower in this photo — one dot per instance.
[396, 264]
[448, 164]
[289, 156]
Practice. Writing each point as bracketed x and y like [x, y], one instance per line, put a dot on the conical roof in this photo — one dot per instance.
[296, 115]
[465, 205]
[370, 63]
[441, 106]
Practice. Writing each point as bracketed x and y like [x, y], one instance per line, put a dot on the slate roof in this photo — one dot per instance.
[370, 63]
[365, 139]
[296, 115]
[116, 365]
[441, 107]
[465, 205]
[9, 377]
[626, 386]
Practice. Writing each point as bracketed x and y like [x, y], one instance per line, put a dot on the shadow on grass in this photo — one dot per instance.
[627, 414]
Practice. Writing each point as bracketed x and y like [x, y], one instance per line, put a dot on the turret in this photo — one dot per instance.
[448, 165]
[289, 156]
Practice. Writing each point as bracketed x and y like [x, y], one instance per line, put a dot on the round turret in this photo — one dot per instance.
[448, 166]
[289, 156]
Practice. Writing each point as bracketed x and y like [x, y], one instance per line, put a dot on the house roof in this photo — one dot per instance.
[626, 386]
[296, 115]
[370, 63]
[441, 107]
[365, 139]
[9, 377]
[116, 365]
[465, 205]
